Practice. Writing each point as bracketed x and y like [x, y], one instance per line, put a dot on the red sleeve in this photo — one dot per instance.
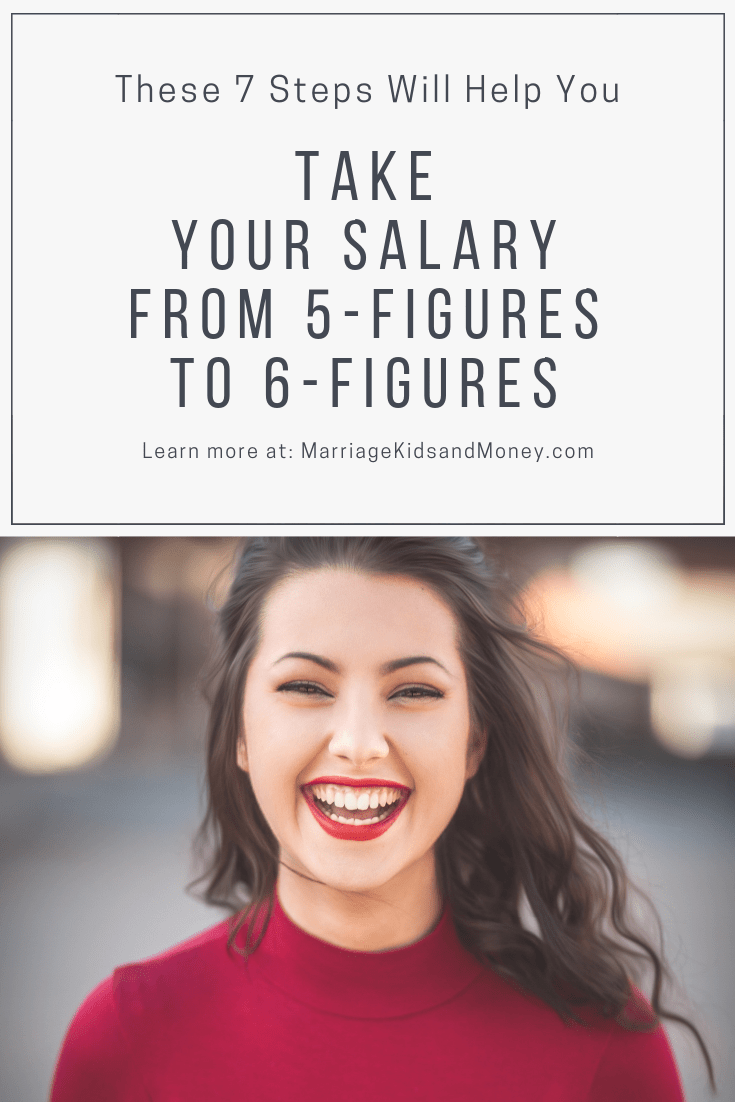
[638, 1067]
[95, 1061]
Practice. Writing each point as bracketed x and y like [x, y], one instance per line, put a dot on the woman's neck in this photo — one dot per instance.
[395, 914]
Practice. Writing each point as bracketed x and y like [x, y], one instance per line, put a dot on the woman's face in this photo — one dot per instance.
[356, 725]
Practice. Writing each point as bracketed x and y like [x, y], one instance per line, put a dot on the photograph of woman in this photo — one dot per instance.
[419, 907]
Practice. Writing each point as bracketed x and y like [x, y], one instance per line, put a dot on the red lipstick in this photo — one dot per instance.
[346, 831]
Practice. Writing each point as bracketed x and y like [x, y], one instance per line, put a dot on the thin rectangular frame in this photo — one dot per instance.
[374, 523]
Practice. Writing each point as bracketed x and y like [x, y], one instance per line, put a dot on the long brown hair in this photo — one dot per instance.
[517, 839]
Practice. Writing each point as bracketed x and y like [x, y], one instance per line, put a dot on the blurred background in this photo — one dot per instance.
[102, 744]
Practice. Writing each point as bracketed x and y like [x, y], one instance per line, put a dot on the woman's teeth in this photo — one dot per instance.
[336, 797]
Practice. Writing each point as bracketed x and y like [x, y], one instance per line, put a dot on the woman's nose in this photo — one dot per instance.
[358, 736]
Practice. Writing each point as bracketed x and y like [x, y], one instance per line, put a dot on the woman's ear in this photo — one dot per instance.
[242, 754]
[476, 747]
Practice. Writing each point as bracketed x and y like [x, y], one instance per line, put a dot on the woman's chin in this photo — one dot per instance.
[346, 873]
[319, 860]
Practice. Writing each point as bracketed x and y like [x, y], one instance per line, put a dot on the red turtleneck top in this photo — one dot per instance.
[303, 1019]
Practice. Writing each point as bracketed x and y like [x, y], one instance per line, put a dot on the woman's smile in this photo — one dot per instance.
[370, 806]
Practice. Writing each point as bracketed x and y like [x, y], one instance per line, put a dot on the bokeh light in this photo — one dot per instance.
[627, 610]
[59, 672]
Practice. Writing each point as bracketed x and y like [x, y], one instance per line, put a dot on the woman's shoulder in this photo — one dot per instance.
[185, 965]
[637, 1057]
[635, 1060]
[166, 982]
[627, 1056]
[137, 999]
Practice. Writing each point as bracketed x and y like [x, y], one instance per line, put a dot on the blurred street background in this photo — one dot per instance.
[102, 746]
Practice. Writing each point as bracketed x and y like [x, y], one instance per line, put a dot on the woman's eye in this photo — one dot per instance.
[417, 692]
[303, 688]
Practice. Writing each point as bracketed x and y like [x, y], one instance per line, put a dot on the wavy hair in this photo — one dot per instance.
[517, 840]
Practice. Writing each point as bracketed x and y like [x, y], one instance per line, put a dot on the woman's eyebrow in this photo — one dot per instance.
[414, 660]
[388, 667]
[326, 663]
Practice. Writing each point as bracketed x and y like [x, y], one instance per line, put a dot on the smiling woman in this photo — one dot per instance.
[343, 706]
[386, 803]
